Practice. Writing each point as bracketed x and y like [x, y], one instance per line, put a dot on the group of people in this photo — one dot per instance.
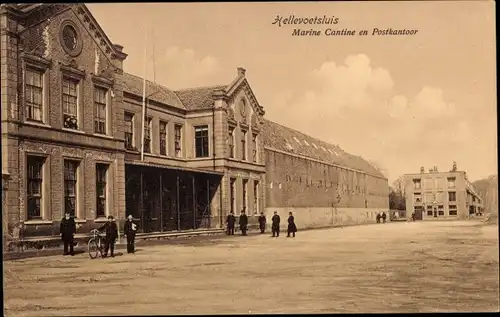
[382, 216]
[110, 228]
[275, 227]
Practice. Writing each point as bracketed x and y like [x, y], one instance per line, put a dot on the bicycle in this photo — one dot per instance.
[95, 244]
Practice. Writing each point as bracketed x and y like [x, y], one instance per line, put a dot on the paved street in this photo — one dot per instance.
[394, 267]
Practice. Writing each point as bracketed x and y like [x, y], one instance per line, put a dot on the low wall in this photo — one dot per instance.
[306, 218]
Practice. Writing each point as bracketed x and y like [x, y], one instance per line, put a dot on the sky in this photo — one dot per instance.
[400, 102]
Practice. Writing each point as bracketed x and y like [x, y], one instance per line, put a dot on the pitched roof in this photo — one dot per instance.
[134, 85]
[198, 98]
[292, 141]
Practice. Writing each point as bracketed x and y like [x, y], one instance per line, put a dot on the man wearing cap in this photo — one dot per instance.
[231, 219]
[276, 224]
[243, 222]
[129, 230]
[68, 230]
[111, 230]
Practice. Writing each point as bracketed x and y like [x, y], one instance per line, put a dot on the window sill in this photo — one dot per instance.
[73, 130]
[38, 222]
[104, 136]
[37, 124]
[80, 220]
[100, 219]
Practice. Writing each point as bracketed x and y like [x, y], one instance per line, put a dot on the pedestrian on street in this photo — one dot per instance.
[231, 220]
[378, 217]
[413, 216]
[68, 230]
[129, 230]
[111, 230]
[292, 228]
[384, 216]
[276, 224]
[262, 222]
[243, 222]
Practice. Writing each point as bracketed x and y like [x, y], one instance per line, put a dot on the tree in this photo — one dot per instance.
[397, 198]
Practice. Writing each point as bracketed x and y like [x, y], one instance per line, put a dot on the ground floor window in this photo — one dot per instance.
[70, 186]
[429, 210]
[34, 186]
[452, 210]
[440, 210]
[101, 188]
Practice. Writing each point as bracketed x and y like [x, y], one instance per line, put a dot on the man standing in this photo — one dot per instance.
[292, 228]
[129, 230]
[243, 222]
[111, 230]
[231, 220]
[276, 224]
[384, 216]
[68, 230]
[262, 222]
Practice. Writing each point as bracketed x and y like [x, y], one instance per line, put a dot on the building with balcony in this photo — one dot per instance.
[441, 195]
[77, 138]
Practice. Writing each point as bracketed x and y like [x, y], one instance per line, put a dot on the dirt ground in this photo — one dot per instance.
[393, 267]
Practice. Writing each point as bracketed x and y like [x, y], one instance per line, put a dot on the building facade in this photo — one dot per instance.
[441, 195]
[78, 137]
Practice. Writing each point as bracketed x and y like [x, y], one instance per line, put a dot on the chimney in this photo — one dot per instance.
[241, 71]
[422, 170]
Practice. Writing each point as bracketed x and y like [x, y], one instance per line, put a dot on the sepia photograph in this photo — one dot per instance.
[249, 158]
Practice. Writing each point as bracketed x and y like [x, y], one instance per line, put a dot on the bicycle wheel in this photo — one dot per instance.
[93, 248]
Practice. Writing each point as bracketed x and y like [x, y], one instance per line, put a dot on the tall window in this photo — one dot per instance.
[452, 210]
[70, 186]
[244, 193]
[101, 177]
[256, 197]
[201, 141]
[163, 138]
[33, 95]
[254, 147]
[129, 130]
[452, 196]
[232, 181]
[147, 136]
[34, 191]
[70, 102]
[231, 142]
[100, 110]
[416, 184]
[178, 139]
[243, 145]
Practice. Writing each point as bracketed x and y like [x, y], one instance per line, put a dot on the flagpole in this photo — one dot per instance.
[144, 95]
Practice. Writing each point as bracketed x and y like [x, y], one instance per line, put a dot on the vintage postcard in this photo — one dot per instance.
[249, 158]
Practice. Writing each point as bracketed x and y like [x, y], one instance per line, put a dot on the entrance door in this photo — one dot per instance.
[435, 212]
[418, 213]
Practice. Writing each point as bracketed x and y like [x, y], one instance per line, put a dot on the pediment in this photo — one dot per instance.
[29, 21]
[240, 95]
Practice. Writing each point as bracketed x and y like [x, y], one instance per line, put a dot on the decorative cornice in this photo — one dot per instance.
[108, 82]
[36, 60]
[98, 34]
[72, 69]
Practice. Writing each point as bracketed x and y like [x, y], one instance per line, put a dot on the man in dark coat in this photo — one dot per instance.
[378, 217]
[129, 230]
[231, 220]
[276, 224]
[243, 222]
[68, 230]
[262, 222]
[384, 216]
[111, 230]
[292, 228]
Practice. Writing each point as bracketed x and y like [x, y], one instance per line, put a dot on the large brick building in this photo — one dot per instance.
[72, 129]
[441, 195]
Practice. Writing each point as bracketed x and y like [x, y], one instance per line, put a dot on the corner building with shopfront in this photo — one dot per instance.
[71, 142]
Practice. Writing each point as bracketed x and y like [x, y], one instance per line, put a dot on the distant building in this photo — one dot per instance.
[72, 127]
[441, 195]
